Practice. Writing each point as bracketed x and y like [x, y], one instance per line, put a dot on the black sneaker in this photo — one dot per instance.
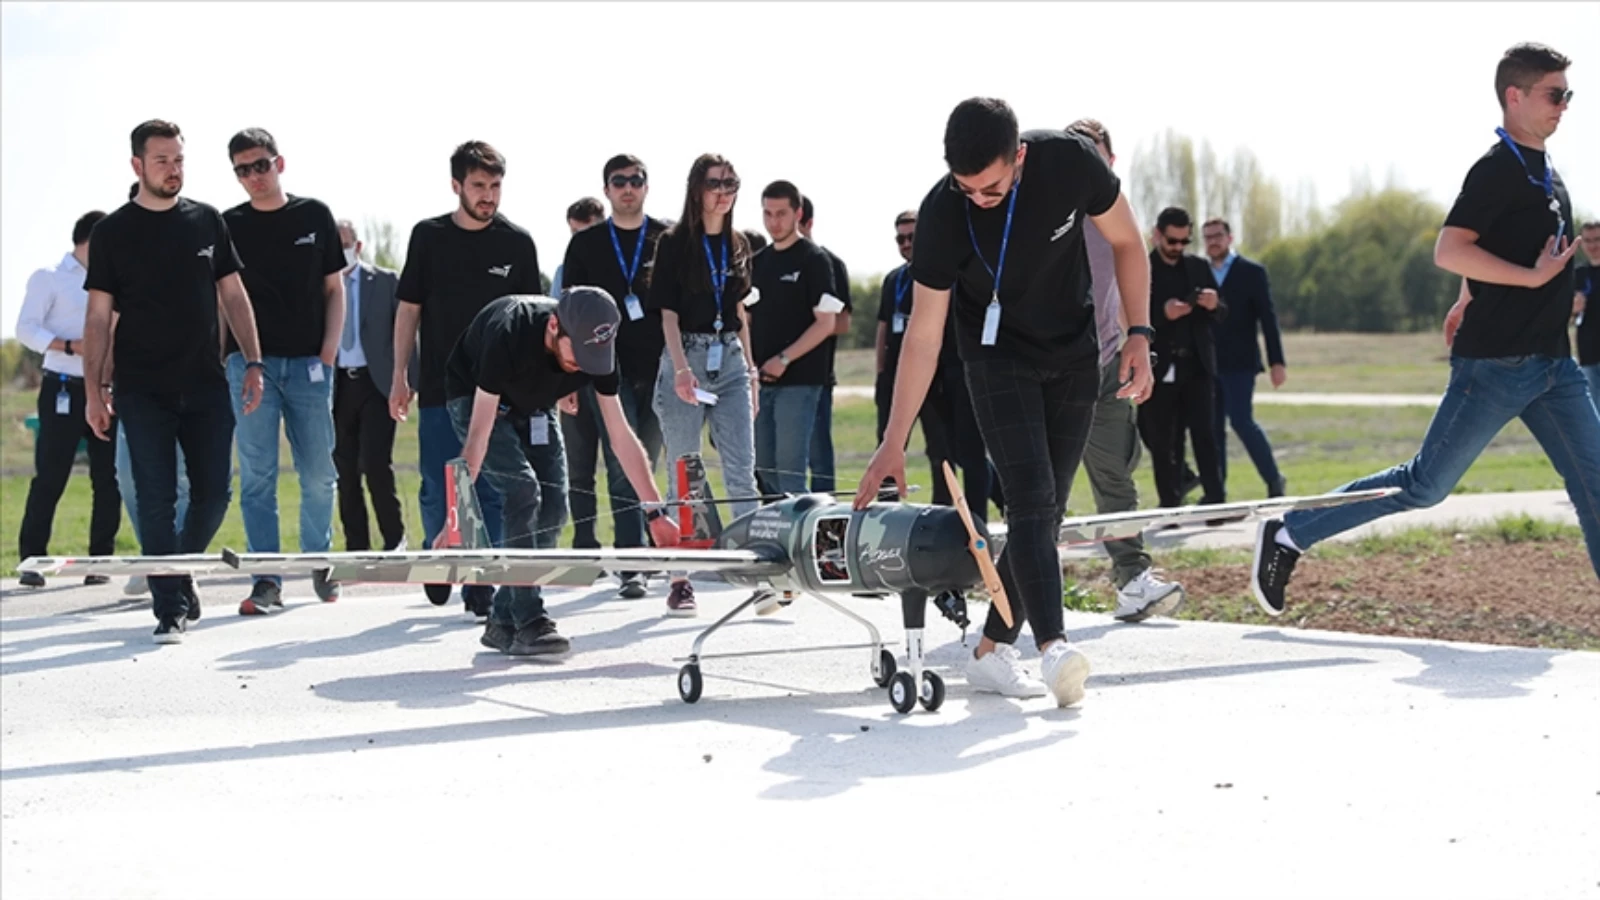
[438, 594]
[498, 637]
[478, 599]
[633, 586]
[1188, 483]
[327, 591]
[96, 579]
[31, 579]
[1274, 563]
[169, 631]
[539, 638]
[193, 598]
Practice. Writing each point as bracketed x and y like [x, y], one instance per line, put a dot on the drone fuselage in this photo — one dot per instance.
[831, 548]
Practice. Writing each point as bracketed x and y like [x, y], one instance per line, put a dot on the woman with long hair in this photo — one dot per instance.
[700, 281]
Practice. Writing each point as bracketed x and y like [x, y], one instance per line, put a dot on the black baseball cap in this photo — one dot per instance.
[590, 318]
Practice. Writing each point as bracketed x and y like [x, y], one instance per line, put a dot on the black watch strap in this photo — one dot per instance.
[1148, 332]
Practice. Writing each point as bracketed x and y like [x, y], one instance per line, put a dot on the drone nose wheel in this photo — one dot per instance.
[689, 683]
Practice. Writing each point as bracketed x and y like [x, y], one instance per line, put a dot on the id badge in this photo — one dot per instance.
[539, 429]
[899, 325]
[991, 322]
[314, 371]
[63, 402]
[714, 356]
[635, 308]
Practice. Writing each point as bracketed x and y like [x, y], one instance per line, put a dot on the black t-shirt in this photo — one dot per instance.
[453, 273]
[1512, 218]
[898, 283]
[592, 260]
[687, 292]
[1177, 281]
[1047, 312]
[841, 289]
[503, 351]
[161, 270]
[1587, 280]
[792, 282]
[287, 253]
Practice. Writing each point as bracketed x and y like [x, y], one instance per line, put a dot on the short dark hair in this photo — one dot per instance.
[1592, 223]
[252, 139]
[909, 217]
[623, 161]
[978, 132]
[1218, 220]
[476, 155]
[783, 190]
[1523, 65]
[153, 128]
[1173, 217]
[808, 210]
[758, 241]
[1094, 131]
[586, 210]
[84, 225]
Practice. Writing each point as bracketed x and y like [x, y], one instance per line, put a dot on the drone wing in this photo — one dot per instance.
[576, 568]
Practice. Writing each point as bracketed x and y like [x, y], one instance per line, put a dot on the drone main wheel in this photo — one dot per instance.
[438, 594]
[883, 672]
[902, 692]
[689, 683]
[932, 696]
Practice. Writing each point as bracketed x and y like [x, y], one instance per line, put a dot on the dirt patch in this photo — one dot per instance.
[1528, 594]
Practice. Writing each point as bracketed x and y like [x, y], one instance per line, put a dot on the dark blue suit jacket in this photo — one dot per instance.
[1249, 302]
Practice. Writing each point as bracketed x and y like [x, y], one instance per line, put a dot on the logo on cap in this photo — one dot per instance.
[603, 333]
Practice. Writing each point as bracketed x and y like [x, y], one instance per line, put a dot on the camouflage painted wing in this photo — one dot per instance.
[123, 566]
[556, 568]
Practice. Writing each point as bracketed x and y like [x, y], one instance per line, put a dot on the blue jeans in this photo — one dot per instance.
[1483, 395]
[531, 479]
[1592, 375]
[732, 427]
[130, 497]
[437, 444]
[822, 473]
[1235, 404]
[585, 437]
[304, 404]
[784, 427]
[200, 420]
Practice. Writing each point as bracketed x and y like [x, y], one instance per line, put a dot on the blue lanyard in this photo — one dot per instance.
[1548, 185]
[902, 286]
[1005, 237]
[638, 252]
[719, 276]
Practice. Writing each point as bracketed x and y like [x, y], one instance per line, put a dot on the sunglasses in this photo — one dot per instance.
[259, 167]
[903, 239]
[962, 189]
[1558, 96]
[622, 181]
[728, 185]
[1176, 242]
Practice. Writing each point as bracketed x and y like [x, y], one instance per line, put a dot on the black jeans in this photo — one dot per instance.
[53, 455]
[1036, 423]
[1186, 405]
[363, 444]
[585, 438]
[200, 419]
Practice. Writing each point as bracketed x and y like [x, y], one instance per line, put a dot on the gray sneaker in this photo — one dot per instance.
[498, 637]
[1146, 595]
[327, 591]
[539, 638]
[265, 599]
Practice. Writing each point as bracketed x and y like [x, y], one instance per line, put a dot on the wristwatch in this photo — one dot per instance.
[66, 347]
[255, 364]
[1145, 330]
[652, 513]
[784, 358]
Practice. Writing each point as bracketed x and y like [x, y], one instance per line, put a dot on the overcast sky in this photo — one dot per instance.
[846, 100]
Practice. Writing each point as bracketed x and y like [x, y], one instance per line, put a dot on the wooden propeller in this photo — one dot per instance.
[980, 549]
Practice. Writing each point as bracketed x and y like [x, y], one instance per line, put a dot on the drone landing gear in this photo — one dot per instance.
[690, 682]
[915, 685]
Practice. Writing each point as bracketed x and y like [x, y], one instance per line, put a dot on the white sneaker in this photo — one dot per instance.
[1147, 595]
[136, 585]
[1001, 673]
[1065, 670]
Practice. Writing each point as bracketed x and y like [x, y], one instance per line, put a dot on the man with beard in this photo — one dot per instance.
[455, 265]
[162, 263]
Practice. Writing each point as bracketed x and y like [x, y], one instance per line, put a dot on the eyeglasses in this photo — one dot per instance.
[1558, 96]
[622, 181]
[903, 239]
[728, 185]
[259, 167]
[1176, 242]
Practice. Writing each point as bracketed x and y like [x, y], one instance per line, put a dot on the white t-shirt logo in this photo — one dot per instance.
[1065, 227]
[206, 251]
[503, 271]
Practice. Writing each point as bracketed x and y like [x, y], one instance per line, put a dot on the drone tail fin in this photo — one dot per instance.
[698, 520]
[464, 527]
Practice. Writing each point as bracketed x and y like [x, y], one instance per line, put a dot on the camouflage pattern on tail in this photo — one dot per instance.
[698, 522]
[464, 528]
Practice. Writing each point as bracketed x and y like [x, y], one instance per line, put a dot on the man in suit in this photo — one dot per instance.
[1243, 285]
[363, 428]
[1184, 304]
